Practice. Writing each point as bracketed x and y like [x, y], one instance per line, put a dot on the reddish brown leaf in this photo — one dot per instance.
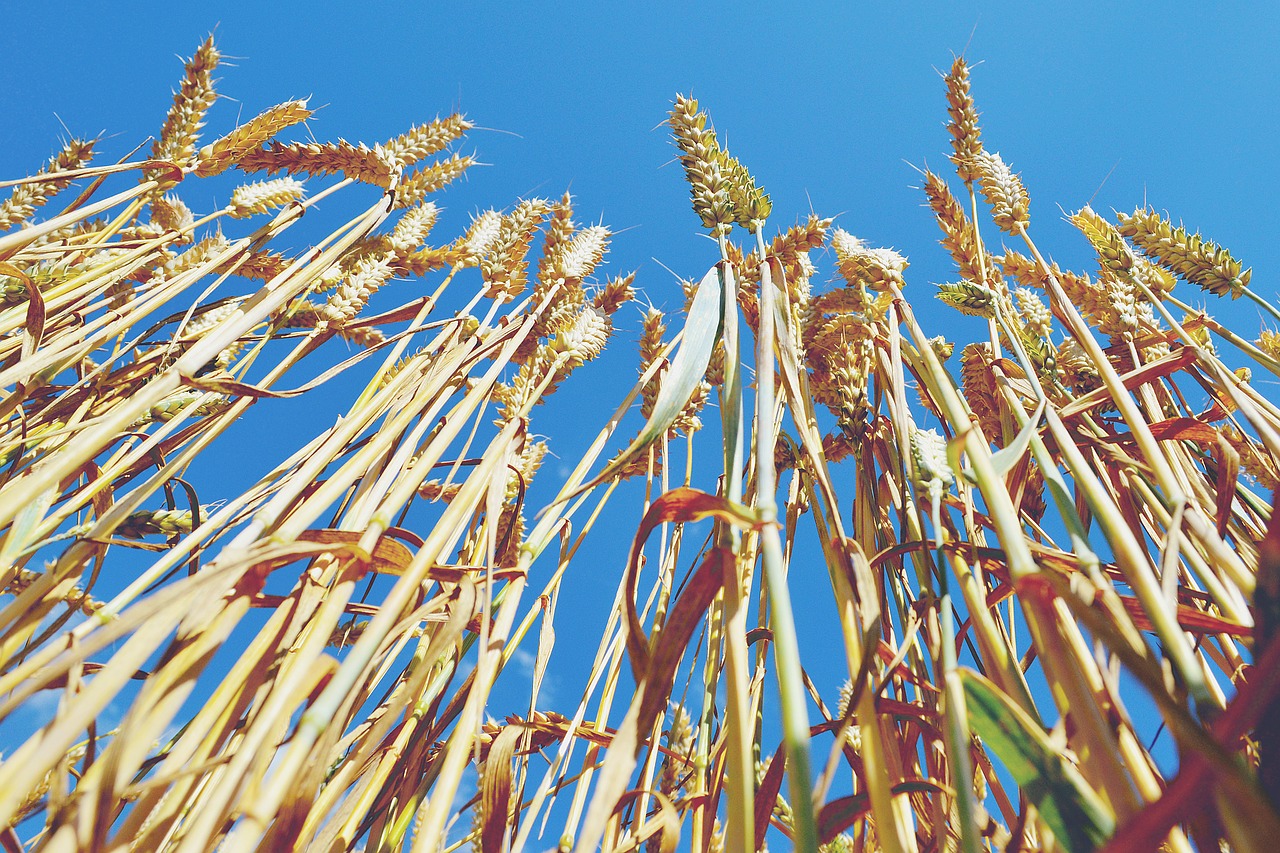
[677, 505]
[767, 793]
[1185, 429]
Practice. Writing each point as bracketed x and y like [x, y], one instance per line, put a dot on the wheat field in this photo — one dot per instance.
[1024, 533]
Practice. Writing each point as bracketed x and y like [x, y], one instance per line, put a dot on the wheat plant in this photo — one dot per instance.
[1075, 514]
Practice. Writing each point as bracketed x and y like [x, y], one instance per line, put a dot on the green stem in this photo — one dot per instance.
[795, 717]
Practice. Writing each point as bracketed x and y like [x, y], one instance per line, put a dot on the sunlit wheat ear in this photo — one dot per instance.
[1269, 342]
[504, 263]
[969, 298]
[1112, 305]
[1033, 313]
[22, 203]
[651, 344]
[701, 157]
[859, 263]
[1255, 461]
[966, 143]
[959, 237]
[265, 196]
[578, 256]
[980, 390]
[170, 213]
[1192, 257]
[751, 205]
[413, 227]
[615, 293]
[226, 152]
[1090, 297]
[1004, 191]
[425, 181]
[358, 162]
[368, 276]
[422, 141]
[177, 140]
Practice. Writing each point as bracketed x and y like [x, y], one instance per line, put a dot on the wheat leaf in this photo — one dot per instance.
[701, 331]
[1069, 807]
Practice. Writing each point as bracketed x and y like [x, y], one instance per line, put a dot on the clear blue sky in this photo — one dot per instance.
[827, 104]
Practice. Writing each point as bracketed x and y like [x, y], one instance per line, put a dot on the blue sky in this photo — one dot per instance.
[830, 105]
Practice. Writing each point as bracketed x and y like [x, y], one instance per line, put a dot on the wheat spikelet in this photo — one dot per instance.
[208, 319]
[481, 235]
[358, 162]
[1076, 368]
[791, 248]
[200, 253]
[1106, 240]
[1269, 342]
[1004, 191]
[412, 229]
[933, 473]
[584, 339]
[1090, 297]
[966, 142]
[1122, 298]
[1033, 313]
[1255, 461]
[578, 257]
[959, 237]
[309, 315]
[679, 735]
[1196, 259]
[751, 205]
[700, 156]
[651, 331]
[858, 263]
[560, 227]
[170, 407]
[505, 265]
[523, 468]
[170, 213]
[573, 344]
[422, 141]
[436, 490]
[651, 345]
[353, 294]
[980, 390]
[226, 152]
[261, 265]
[616, 292]
[160, 522]
[265, 196]
[969, 298]
[178, 136]
[24, 200]
[424, 182]
[425, 260]
[75, 597]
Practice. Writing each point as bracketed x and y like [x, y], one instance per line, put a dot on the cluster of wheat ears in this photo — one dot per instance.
[1078, 510]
